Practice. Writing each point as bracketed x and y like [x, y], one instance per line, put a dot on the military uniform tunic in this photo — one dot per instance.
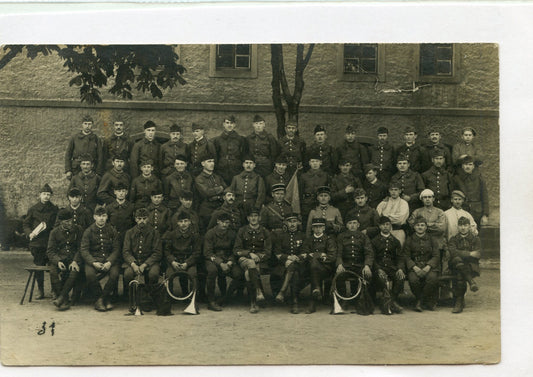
[88, 185]
[295, 151]
[440, 181]
[415, 155]
[80, 145]
[109, 181]
[249, 189]
[230, 148]
[382, 156]
[169, 151]
[141, 189]
[354, 152]
[354, 250]
[117, 145]
[264, 148]
[198, 151]
[273, 214]
[145, 150]
[174, 185]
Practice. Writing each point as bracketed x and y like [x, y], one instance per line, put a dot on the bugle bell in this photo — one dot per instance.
[337, 308]
[134, 294]
[191, 308]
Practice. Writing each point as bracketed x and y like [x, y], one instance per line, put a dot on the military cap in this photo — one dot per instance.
[402, 157]
[463, 221]
[409, 129]
[437, 152]
[323, 190]
[317, 221]
[181, 158]
[253, 210]
[420, 219]
[291, 216]
[223, 216]
[248, 157]
[471, 129]
[120, 186]
[467, 160]
[281, 159]
[88, 118]
[74, 192]
[46, 188]
[141, 212]
[147, 161]
[196, 126]
[395, 184]
[156, 191]
[175, 128]
[315, 156]
[258, 118]
[359, 192]
[350, 129]
[100, 210]
[120, 156]
[383, 220]
[369, 167]
[186, 194]
[433, 129]
[149, 124]
[208, 156]
[64, 214]
[351, 217]
[344, 161]
[184, 215]
[229, 189]
[426, 192]
[291, 123]
[319, 128]
[86, 157]
[231, 118]
[382, 130]
[458, 193]
[278, 187]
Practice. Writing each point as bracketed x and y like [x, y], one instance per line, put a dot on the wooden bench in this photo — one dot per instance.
[32, 270]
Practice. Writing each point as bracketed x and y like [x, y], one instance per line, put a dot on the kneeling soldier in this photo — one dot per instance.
[465, 251]
[142, 250]
[100, 251]
[64, 258]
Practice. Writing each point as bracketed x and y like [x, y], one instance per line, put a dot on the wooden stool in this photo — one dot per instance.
[32, 270]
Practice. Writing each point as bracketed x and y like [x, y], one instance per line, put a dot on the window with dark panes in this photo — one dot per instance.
[233, 57]
[361, 58]
[436, 59]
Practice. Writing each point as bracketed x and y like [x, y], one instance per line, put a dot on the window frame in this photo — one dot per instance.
[250, 73]
[456, 67]
[357, 76]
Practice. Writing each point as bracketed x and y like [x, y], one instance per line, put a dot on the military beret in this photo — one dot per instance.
[409, 129]
[248, 157]
[383, 220]
[88, 118]
[223, 217]
[319, 128]
[231, 118]
[467, 160]
[229, 189]
[433, 129]
[120, 186]
[395, 184]
[86, 157]
[402, 157]
[359, 192]
[100, 210]
[258, 118]
[196, 126]
[149, 124]
[351, 216]
[291, 123]
[382, 130]
[280, 159]
[120, 156]
[156, 191]
[350, 129]
[323, 190]
[46, 188]
[147, 161]
[317, 221]
[436, 152]
[74, 192]
[186, 195]
[184, 215]
[426, 192]
[369, 167]
[344, 161]
[64, 214]
[141, 212]
[278, 187]
[253, 210]
[471, 129]
[458, 193]
[175, 128]
[315, 156]
[208, 156]
[291, 216]
[419, 219]
[180, 157]
[463, 221]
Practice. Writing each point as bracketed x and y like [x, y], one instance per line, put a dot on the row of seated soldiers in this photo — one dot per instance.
[272, 240]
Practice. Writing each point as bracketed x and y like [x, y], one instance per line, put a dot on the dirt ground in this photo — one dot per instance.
[83, 336]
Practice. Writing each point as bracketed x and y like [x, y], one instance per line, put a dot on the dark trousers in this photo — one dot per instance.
[151, 275]
[63, 281]
[319, 271]
[280, 273]
[380, 284]
[92, 277]
[214, 272]
[184, 281]
[425, 288]
[39, 259]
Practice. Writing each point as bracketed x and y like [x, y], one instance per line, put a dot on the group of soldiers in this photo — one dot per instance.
[241, 207]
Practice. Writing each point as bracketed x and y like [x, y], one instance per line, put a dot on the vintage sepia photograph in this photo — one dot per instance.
[231, 204]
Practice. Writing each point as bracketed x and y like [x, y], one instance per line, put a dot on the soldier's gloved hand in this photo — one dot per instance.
[106, 266]
[74, 266]
[340, 268]
[175, 265]
[426, 269]
[98, 266]
[475, 254]
[255, 257]
[418, 271]
[400, 275]
[323, 256]
[69, 175]
[142, 267]
[135, 268]
[61, 266]
[367, 273]
[382, 275]
[288, 262]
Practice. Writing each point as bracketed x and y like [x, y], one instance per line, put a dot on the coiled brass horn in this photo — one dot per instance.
[191, 308]
[134, 294]
[337, 308]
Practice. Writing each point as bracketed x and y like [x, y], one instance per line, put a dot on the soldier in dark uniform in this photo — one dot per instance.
[471, 183]
[120, 214]
[410, 182]
[411, 150]
[263, 147]
[80, 215]
[143, 185]
[320, 147]
[309, 183]
[64, 258]
[182, 248]
[367, 216]
[148, 148]
[248, 186]
[439, 180]
[199, 149]
[210, 188]
[467, 147]
[37, 225]
[287, 265]
[252, 249]
[111, 179]
[142, 251]
[219, 258]
[158, 213]
[436, 146]
[278, 175]
[293, 147]
[176, 182]
[465, 252]
[422, 265]
[375, 189]
[343, 186]
[354, 253]
[118, 143]
[354, 152]
[100, 252]
[87, 181]
[320, 252]
[171, 150]
[84, 142]
[389, 266]
[273, 214]
[230, 149]
[186, 200]
[229, 207]
[382, 155]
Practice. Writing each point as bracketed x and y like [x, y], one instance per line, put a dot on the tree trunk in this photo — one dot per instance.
[276, 58]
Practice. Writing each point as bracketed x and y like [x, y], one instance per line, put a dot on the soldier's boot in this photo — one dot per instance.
[418, 306]
[64, 306]
[59, 301]
[253, 304]
[312, 307]
[294, 306]
[229, 293]
[108, 304]
[39, 276]
[99, 305]
[473, 285]
[256, 286]
[395, 307]
[459, 305]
